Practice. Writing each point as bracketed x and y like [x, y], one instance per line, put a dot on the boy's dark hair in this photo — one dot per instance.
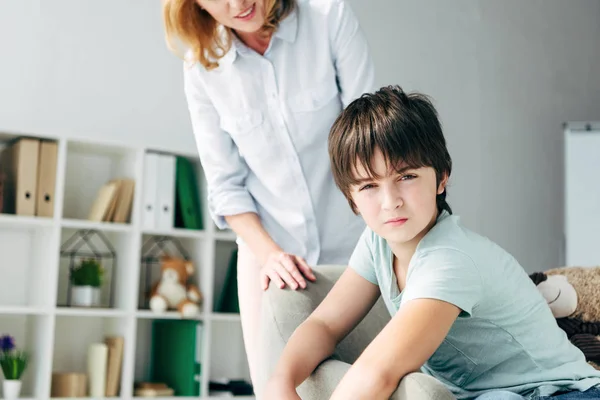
[405, 127]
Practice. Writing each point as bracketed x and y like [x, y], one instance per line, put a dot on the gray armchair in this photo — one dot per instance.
[284, 310]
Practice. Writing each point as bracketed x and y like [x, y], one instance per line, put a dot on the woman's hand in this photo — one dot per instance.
[278, 389]
[285, 269]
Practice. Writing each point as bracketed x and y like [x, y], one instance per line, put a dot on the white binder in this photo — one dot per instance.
[150, 191]
[166, 191]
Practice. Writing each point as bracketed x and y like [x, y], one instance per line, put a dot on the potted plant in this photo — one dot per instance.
[86, 280]
[13, 362]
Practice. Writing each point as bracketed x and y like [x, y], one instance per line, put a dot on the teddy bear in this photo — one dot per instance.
[558, 292]
[573, 294]
[172, 290]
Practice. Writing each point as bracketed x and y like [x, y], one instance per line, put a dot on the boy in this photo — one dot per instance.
[463, 310]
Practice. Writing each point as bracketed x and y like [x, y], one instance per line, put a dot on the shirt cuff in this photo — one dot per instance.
[230, 204]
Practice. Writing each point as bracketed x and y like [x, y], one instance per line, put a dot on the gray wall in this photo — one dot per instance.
[504, 75]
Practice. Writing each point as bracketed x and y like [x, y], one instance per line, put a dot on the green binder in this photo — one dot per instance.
[228, 299]
[176, 355]
[186, 195]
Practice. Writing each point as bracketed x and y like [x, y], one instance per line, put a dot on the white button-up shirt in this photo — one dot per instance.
[262, 122]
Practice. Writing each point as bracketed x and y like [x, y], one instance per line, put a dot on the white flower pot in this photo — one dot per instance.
[11, 388]
[85, 296]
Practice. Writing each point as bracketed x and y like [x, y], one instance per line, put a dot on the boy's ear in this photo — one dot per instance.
[442, 185]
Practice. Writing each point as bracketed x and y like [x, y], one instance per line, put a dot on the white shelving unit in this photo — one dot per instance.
[33, 277]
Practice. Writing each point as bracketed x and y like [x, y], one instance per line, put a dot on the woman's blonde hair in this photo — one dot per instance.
[185, 21]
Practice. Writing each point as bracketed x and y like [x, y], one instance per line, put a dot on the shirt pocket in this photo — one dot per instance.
[247, 129]
[451, 364]
[315, 98]
[312, 112]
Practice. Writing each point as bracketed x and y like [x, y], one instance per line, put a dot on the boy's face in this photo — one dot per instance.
[400, 207]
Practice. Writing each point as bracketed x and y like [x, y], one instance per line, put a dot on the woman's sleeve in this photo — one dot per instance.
[224, 169]
[352, 58]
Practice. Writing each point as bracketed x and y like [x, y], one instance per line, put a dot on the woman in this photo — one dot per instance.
[264, 81]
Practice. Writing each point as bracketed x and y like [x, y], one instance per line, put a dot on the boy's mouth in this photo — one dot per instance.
[396, 221]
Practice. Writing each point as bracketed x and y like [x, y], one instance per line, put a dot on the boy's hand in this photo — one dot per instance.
[278, 389]
[283, 268]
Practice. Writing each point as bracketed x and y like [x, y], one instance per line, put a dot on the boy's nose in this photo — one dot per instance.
[391, 199]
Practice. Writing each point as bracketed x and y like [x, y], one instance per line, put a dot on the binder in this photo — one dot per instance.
[228, 301]
[124, 201]
[102, 204]
[150, 191]
[19, 163]
[187, 197]
[46, 178]
[112, 207]
[174, 356]
[115, 346]
[166, 191]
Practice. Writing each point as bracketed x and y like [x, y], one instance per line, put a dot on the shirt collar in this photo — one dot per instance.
[287, 30]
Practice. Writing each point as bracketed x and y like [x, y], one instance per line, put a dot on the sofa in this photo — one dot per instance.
[284, 310]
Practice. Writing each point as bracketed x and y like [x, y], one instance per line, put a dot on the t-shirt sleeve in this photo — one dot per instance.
[362, 259]
[445, 274]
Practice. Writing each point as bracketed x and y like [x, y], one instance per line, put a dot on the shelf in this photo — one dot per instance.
[31, 334]
[89, 166]
[187, 398]
[154, 248]
[22, 221]
[174, 398]
[176, 232]
[148, 314]
[73, 337]
[227, 354]
[225, 317]
[90, 312]
[160, 343]
[23, 310]
[82, 398]
[28, 257]
[226, 236]
[34, 275]
[114, 251]
[101, 226]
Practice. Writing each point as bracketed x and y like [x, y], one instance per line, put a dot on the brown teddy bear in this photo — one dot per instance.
[581, 322]
[173, 291]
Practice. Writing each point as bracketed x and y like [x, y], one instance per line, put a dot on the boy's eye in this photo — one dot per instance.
[367, 186]
[407, 177]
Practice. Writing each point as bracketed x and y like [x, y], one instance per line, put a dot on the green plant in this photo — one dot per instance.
[13, 361]
[89, 272]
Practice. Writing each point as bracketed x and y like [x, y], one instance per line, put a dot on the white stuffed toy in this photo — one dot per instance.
[559, 294]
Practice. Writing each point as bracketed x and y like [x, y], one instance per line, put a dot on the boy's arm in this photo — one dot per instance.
[403, 346]
[315, 339]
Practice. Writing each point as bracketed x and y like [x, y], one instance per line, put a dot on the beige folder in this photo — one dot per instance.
[20, 162]
[104, 198]
[115, 345]
[123, 207]
[46, 178]
[112, 208]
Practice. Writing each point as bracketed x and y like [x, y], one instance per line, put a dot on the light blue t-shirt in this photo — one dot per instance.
[505, 337]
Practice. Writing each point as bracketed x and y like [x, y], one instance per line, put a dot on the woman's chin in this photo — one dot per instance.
[249, 27]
